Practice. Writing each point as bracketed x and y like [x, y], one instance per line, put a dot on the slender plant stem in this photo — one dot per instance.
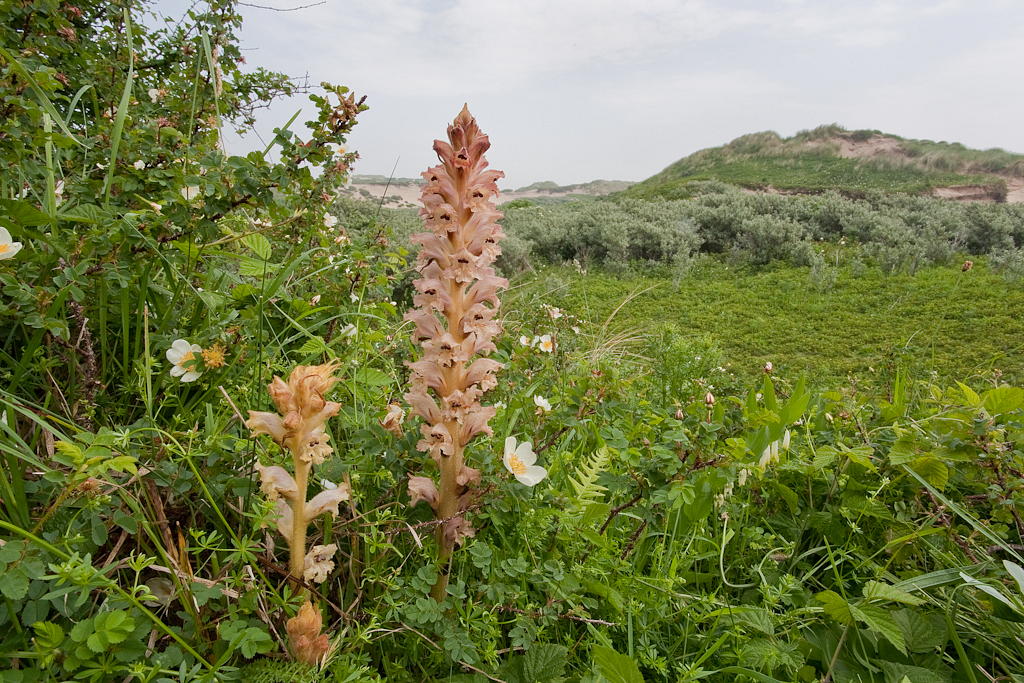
[298, 537]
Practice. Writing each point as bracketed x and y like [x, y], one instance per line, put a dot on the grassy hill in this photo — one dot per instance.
[853, 162]
[594, 187]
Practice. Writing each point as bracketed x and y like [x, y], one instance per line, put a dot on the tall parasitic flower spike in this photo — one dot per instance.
[456, 306]
[298, 427]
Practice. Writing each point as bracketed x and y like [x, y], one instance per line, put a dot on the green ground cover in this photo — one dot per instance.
[941, 320]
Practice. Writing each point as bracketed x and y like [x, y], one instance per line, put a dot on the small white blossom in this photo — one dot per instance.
[742, 478]
[769, 455]
[190, 192]
[542, 403]
[519, 460]
[139, 164]
[545, 343]
[184, 356]
[330, 220]
[8, 248]
[524, 340]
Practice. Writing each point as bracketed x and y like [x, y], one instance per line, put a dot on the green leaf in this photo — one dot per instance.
[542, 662]
[970, 395]
[254, 641]
[860, 455]
[23, 213]
[836, 607]
[756, 618]
[796, 405]
[250, 267]
[14, 583]
[921, 632]
[603, 590]
[11, 551]
[875, 590]
[904, 450]
[372, 377]
[932, 470]
[258, 244]
[878, 620]
[1017, 572]
[1002, 400]
[768, 395]
[763, 654]
[313, 345]
[48, 636]
[85, 213]
[615, 667]
[898, 673]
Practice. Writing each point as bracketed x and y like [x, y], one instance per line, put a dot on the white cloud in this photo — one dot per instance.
[576, 89]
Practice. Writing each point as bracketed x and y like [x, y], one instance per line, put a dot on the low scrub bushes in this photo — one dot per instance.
[899, 232]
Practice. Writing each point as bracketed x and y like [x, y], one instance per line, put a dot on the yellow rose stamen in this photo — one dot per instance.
[516, 465]
[5, 247]
[189, 356]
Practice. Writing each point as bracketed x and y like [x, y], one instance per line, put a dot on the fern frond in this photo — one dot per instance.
[586, 490]
[279, 671]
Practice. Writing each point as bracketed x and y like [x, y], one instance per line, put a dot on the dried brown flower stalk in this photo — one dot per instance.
[455, 321]
[298, 427]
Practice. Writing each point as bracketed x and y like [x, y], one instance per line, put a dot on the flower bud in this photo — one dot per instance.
[709, 399]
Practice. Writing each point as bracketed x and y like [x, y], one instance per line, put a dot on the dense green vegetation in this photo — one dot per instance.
[812, 161]
[847, 513]
[834, 325]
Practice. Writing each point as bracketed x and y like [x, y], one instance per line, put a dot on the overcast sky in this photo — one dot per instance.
[574, 90]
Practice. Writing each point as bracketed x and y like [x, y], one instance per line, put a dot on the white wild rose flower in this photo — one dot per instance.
[542, 403]
[139, 164]
[183, 356]
[8, 248]
[519, 460]
[330, 220]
